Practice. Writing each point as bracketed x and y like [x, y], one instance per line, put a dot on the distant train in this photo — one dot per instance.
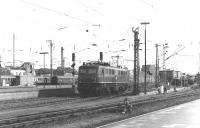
[56, 80]
[99, 78]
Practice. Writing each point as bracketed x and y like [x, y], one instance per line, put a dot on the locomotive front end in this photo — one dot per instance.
[87, 79]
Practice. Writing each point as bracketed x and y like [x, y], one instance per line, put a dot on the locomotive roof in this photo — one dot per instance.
[98, 63]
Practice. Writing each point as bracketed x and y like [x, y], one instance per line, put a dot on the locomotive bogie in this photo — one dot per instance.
[97, 89]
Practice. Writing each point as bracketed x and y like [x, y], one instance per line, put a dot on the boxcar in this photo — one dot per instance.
[97, 78]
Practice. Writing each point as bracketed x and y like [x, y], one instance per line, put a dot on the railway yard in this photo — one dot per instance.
[99, 64]
[74, 112]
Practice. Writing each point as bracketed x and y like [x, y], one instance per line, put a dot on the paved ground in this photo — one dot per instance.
[22, 92]
[30, 88]
[182, 116]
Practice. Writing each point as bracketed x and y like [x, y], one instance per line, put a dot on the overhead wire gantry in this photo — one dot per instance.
[136, 70]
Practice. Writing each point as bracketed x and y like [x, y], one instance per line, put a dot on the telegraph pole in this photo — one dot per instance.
[145, 59]
[136, 69]
[73, 72]
[13, 50]
[51, 57]
[62, 58]
[157, 67]
[0, 62]
[165, 46]
[101, 56]
[0, 72]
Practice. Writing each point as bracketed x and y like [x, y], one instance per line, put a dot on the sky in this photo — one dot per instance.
[77, 24]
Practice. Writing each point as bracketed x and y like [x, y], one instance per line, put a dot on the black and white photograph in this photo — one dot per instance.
[99, 64]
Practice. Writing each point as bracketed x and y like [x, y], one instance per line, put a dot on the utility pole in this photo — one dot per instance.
[51, 57]
[165, 46]
[0, 72]
[199, 64]
[0, 61]
[101, 56]
[145, 59]
[73, 72]
[62, 58]
[136, 69]
[198, 79]
[157, 67]
[13, 50]
[198, 75]
[44, 53]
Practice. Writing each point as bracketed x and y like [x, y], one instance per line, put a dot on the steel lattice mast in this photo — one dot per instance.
[136, 69]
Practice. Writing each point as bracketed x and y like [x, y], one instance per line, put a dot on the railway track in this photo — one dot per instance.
[40, 102]
[29, 120]
[32, 103]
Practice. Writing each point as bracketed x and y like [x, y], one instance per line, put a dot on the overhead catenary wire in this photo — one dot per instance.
[89, 7]
[38, 23]
[57, 12]
[147, 3]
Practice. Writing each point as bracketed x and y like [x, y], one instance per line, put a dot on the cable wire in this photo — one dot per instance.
[57, 12]
[87, 6]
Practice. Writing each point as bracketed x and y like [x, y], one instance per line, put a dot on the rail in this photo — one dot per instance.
[28, 120]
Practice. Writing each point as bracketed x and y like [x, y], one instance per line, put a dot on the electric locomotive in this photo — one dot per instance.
[99, 78]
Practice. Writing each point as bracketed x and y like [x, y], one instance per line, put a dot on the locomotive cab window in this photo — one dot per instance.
[101, 71]
[113, 72]
[109, 72]
[88, 71]
[106, 71]
[82, 71]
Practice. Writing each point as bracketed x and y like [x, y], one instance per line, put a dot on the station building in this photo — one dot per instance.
[150, 73]
[14, 76]
[169, 75]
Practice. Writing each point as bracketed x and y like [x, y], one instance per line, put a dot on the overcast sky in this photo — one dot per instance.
[80, 23]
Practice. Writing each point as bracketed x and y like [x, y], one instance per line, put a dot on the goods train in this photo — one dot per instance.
[99, 78]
